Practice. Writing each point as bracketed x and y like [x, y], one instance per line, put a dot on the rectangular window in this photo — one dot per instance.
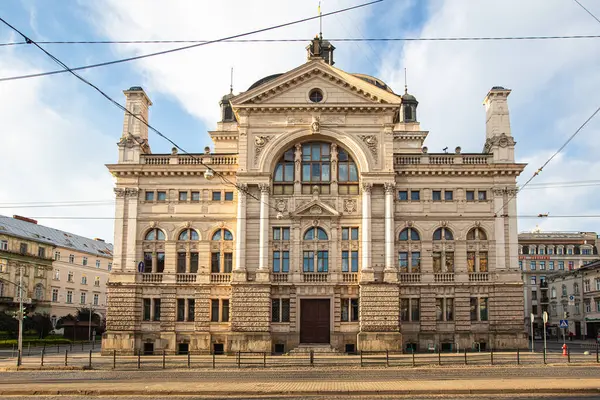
[276, 262]
[597, 284]
[448, 195]
[225, 310]
[215, 262]
[4, 245]
[23, 248]
[571, 265]
[97, 281]
[541, 251]
[183, 196]
[588, 306]
[483, 309]
[54, 295]
[83, 297]
[404, 310]
[449, 309]
[533, 280]
[84, 261]
[403, 261]
[551, 265]
[534, 310]
[160, 262]
[193, 263]
[275, 310]
[439, 309]
[285, 310]
[214, 310]
[534, 295]
[521, 265]
[56, 274]
[569, 251]
[532, 265]
[156, 310]
[228, 196]
[227, 262]
[161, 196]
[149, 196]
[147, 262]
[474, 309]
[69, 296]
[561, 265]
[550, 251]
[415, 309]
[147, 308]
[482, 195]
[96, 298]
[71, 258]
[322, 261]
[349, 310]
[559, 251]
[216, 196]
[403, 195]
[308, 262]
[542, 265]
[181, 261]
[180, 310]
[436, 195]
[191, 310]
[195, 196]
[415, 195]
[470, 195]
[41, 252]
[281, 233]
[281, 261]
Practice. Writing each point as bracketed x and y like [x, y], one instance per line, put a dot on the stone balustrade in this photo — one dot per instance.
[152, 277]
[315, 277]
[478, 277]
[350, 277]
[220, 278]
[185, 278]
[443, 277]
[443, 159]
[207, 159]
[409, 277]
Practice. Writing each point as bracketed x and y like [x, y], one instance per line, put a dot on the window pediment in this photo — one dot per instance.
[315, 208]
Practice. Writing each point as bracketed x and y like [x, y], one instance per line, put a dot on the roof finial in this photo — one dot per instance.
[320, 22]
[405, 83]
[231, 82]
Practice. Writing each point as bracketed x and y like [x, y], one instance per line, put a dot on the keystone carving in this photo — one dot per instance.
[315, 126]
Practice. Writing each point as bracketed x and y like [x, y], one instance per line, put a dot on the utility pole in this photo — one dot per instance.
[90, 324]
[20, 340]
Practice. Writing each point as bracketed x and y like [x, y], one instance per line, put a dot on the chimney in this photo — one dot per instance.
[21, 218]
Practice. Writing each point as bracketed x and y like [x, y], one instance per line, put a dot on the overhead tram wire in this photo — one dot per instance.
[29, 41]
[586, 10]
[283, 40]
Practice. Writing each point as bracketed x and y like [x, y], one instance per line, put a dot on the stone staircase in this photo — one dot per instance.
[305, 348]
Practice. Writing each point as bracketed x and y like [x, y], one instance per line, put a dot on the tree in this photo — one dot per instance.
[68, 317]
[41, 323]
[83, 315]
[8, 323]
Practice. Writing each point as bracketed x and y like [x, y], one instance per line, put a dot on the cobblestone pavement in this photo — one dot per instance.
[346, 397]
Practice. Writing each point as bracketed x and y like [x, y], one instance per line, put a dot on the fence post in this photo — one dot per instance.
[413, 356]
[544, 355]
[57, 348]
[214, 360]
[387, 358]
[492, 355]
[164, 360]
[66, 358]
[439, 356]
[264, 359]
[568, 355]
[597, 359]
[139, 359]
[312, 358]
[189, 359]
[42, 361]
[518, 357]
[90, 359]
[114, 359]
[465, 356]
[239, 359]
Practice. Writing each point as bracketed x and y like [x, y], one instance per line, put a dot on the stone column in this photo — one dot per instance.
[390, 273]
[500, 250]
[263, 252]
[366, 268]
[118, 260]
[239, 271]
[132, 209]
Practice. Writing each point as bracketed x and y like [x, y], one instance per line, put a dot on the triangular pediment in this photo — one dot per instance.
[315, 208]
[292, 88]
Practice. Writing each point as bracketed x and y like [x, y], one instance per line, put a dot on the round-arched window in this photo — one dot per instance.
[443, 234]
[222, 234]
[476, 234]
[409, 234]
[155, 234]
[315, 234]
[188, 234]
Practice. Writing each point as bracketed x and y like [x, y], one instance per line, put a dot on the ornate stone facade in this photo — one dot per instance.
[318, 218]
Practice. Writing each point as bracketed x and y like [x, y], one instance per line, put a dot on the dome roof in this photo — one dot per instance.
[264, 80]
[409, 98]
[227, 96]
[374, 81]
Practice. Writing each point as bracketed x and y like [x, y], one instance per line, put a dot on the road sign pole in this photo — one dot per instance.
[545, 318]
[531, 316]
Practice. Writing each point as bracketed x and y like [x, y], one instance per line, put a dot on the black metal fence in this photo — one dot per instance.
[48, 358]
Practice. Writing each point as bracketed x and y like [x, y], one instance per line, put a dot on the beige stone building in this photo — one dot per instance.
[318, 219]
[63, 271]
[543, 255]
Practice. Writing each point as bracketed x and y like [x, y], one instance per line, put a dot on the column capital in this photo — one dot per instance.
[366, 187]
[242, 188]
[119, 192]
[389, 187]
[264, 187]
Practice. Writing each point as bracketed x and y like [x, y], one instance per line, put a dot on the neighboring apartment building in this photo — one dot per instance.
[543, 254]
[577, 293]
[76, 268]
[329, 223]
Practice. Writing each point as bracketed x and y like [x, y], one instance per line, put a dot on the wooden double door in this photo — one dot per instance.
[315, 321]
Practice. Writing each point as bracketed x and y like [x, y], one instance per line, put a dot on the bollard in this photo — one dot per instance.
[413, 356]
[518, 357]
[387, 358]
[439, 356]
[239, 359]
[264, 359]
[568, 355]
[42, 361]
[492, 355]
[114, 359]
[465, 356]
[544, 355]
[312, 358]
[19, 360]
[90, 365]
[164, 360]
[66, 358]
[139, 359]
[361, 359]
[214, 364]
[189, 360]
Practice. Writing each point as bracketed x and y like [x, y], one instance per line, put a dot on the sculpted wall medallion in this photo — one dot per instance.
[350, 205]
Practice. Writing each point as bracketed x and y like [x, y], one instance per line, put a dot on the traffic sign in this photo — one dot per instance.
[571, 300]
[141, 267]
[26, 300]
[545, 317]
[564, 324]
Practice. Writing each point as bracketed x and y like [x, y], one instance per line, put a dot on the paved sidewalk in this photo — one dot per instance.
[303, 388]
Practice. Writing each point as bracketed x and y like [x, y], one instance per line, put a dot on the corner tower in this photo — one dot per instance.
[499, 140]
[134, 138]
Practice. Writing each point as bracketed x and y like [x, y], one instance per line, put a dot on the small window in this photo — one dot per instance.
[97, 263]
[448, 195]
[23, 248]
[470, 195]
[84, 280]
[149, 196]
[41, 252]
[71, 258]
[4, 245]
[281, 233]
[84, 261]
[216, 196]
[195, 196]
[183, 196]
[161, 196]
[436, 195]
[482, 195]
[228, 196]
[109, 267]
[415, 195]
[316, 96]
[403, 195]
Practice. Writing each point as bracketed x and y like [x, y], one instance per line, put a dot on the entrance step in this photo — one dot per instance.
[305, 348]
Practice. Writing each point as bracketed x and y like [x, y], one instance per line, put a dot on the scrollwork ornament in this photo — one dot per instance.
[259, 144]
[372, 144]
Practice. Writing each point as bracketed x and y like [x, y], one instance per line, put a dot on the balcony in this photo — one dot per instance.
[543, 284]
[409, 277]
[152, 278]
[220, 278]
[185, 278]
[206, 159]
[316, 277]
[442, 159]
[443, 277]
[478, 277]
[544, 300]
[350, 277]
[279, 277]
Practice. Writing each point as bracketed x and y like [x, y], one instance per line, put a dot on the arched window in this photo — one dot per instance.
[564, 290]
[409, 251]
[553, 293]
[443, 257]
[188, 234]
[347, 173]
[443, 234]
[477, 255]
[476, 234]
[315, 233]
[283, 178]
[155, 234]
[38, 292]
[407, 233]
[221, 260]
[575, 288]
[317, 255]
[316, 167]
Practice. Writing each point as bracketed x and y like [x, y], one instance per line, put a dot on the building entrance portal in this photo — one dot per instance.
[314, 321]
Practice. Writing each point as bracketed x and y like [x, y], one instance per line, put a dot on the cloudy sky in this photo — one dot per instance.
[56, 133]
